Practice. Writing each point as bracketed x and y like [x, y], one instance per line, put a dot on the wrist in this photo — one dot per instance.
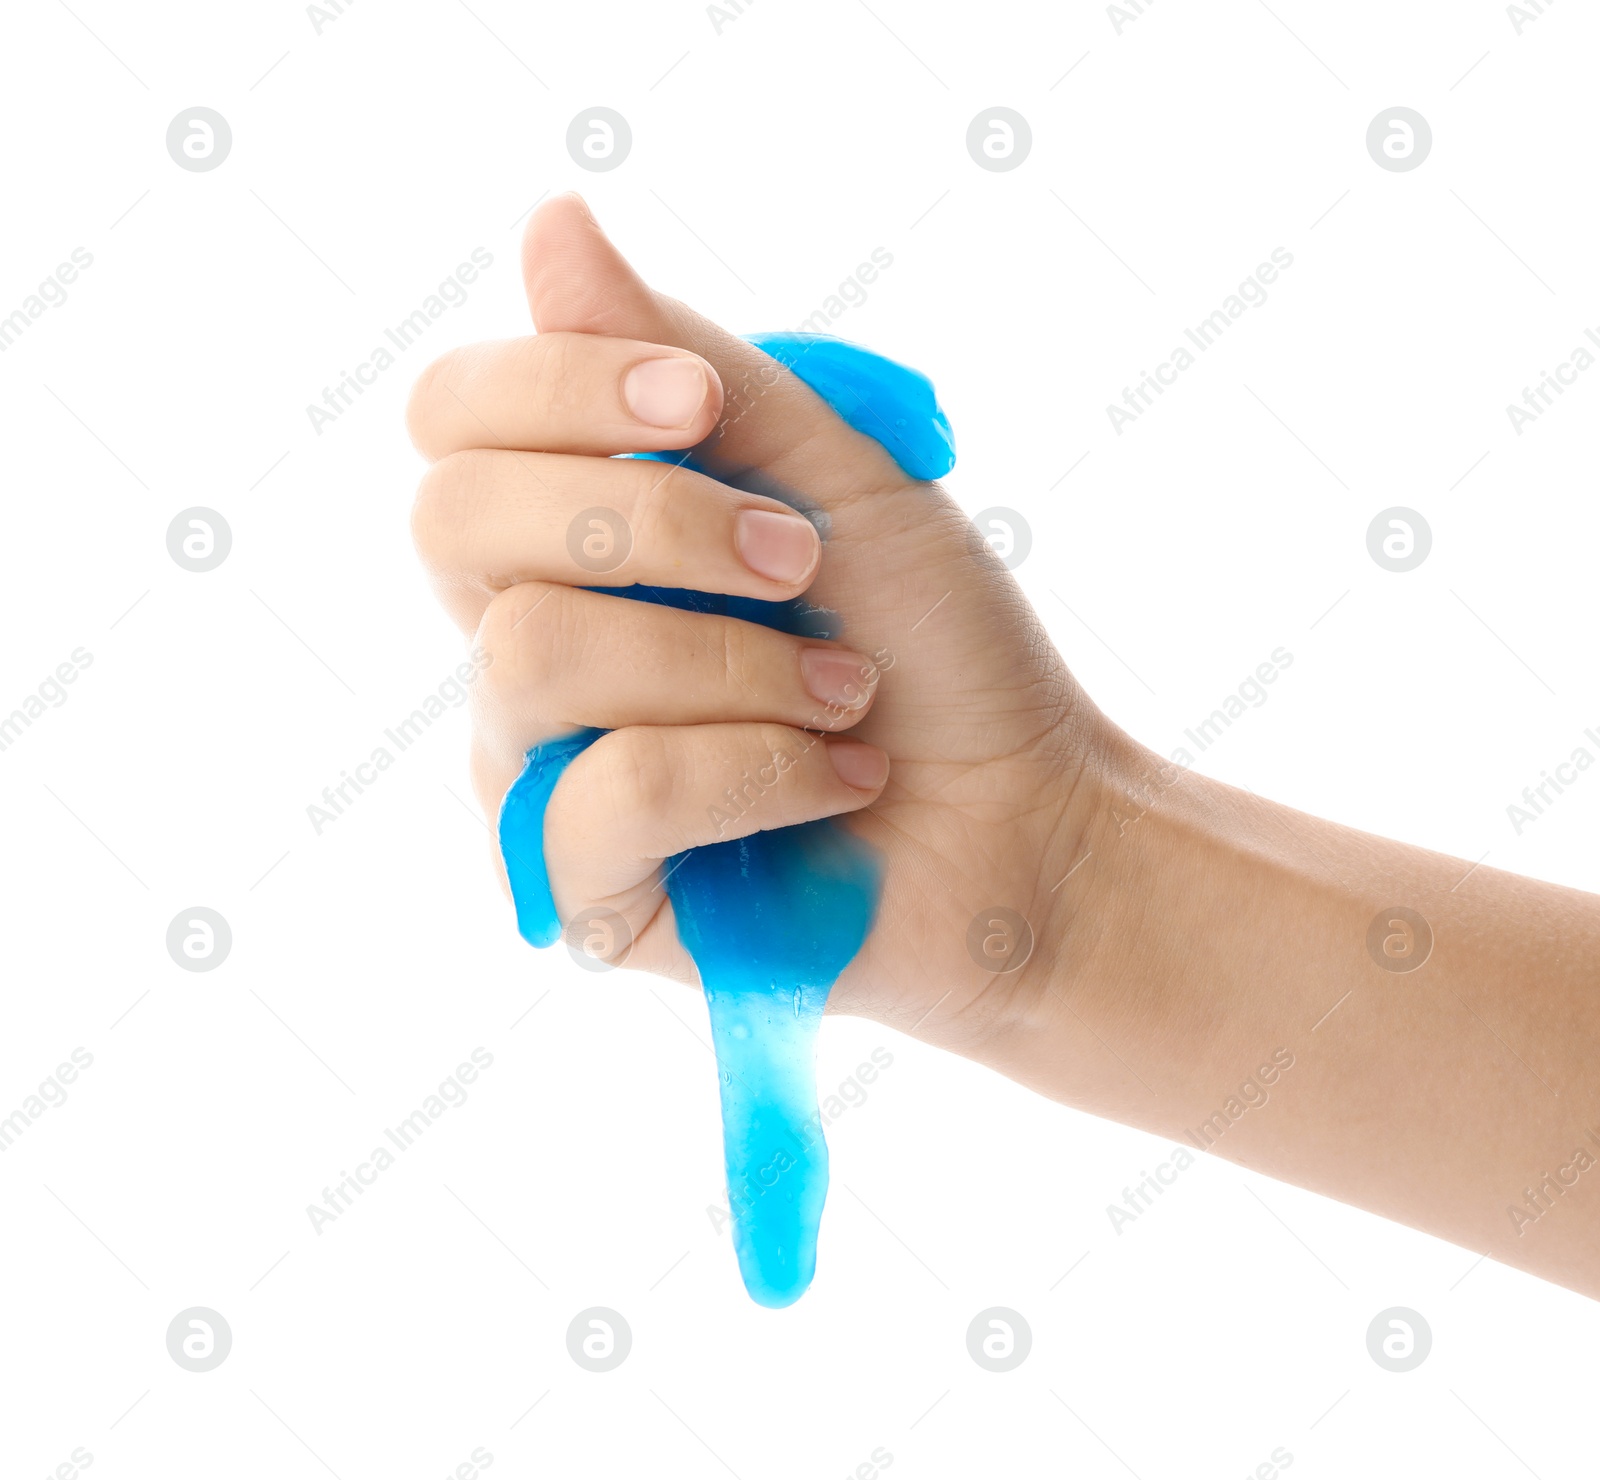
[1127, 997]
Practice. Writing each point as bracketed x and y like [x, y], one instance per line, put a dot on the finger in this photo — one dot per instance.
[578, 281]
[561, 392]
[487, 520]
[557, 658]
[640, 795]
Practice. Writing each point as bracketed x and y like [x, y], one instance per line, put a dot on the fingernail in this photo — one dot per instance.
[860, 765]
[781, 547]
[665, 393]
[842, 679]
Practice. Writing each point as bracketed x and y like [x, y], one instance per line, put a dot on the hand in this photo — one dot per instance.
[1208, 932]
[956, 738]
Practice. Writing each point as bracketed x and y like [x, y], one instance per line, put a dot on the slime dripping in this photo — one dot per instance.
[770, 920]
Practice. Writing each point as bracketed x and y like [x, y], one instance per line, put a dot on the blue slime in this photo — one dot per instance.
[770, 920]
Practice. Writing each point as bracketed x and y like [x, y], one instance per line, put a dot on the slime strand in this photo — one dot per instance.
[770, 920]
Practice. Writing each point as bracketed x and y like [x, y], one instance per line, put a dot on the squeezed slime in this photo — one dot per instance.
[770, 920]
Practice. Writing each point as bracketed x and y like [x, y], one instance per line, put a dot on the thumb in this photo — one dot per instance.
[578, 282]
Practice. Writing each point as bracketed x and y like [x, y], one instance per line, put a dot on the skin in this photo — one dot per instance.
[1200, 963]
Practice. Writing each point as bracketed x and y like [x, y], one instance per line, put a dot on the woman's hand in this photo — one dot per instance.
[955, 737]
[1184, 934]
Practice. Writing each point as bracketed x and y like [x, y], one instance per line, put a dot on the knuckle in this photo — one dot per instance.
[449, 494]
[781, 753]
[423, 404]
[761, 778]
[635, 772]
[555, 374]
[774, 739]
[663, 496]
[525, 630]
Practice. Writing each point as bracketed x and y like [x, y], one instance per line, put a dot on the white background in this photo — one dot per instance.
[768, 161]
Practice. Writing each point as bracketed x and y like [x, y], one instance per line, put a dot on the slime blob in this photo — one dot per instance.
[770, 920]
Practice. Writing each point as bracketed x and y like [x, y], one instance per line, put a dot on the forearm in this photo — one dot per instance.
[1211, 942]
